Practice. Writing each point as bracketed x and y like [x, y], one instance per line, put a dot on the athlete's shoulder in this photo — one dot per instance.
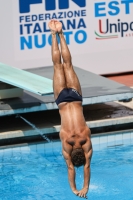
[87, 131]
[63, 134]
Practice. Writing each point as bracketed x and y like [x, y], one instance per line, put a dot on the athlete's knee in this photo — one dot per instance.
[58, 66]
[56, 57]
[67, 60]
[67, 65]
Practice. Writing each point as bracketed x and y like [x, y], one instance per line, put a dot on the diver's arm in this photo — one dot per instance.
[87, 147]
[71, 177]
[84, 191]
[88, 154]
[87, 175]
[71, 172]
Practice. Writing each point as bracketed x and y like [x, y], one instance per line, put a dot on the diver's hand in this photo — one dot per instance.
[76, 192]
[83, 192]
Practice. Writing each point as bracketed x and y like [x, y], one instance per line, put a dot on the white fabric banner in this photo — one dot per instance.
[99, 33]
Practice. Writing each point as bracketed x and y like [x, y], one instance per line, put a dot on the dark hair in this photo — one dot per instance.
[78, 157]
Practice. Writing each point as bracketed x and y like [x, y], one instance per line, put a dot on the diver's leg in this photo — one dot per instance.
[70, 75]
[59, 82]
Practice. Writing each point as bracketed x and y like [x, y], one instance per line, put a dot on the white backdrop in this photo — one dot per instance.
[99, 33]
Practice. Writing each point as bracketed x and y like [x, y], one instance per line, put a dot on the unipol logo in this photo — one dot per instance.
[24, 5]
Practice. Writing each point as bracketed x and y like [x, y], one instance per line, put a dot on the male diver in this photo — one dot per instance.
[74, 133]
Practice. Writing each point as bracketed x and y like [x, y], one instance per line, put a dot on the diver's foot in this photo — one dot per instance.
[58, 26]
[52, 27]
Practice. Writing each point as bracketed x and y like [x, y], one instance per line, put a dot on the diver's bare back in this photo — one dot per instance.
[72, 121]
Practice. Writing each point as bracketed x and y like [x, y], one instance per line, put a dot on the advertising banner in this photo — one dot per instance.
[99, 33]
[33, 35]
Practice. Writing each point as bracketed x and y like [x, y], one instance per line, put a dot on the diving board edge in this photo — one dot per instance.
[26, 80]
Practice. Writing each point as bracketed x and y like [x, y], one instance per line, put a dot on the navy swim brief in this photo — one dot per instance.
[68, 95]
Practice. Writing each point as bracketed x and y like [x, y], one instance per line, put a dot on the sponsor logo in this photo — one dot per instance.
[112, 19]
[75, 91]
[33, 25]
[24, 6]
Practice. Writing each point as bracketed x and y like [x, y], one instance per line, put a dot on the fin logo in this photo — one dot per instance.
[24, 5]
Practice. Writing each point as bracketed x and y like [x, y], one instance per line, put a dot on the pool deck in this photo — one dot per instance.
[97, 116]
[48, 122]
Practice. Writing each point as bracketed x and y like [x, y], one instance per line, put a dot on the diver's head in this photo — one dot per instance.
[78, 157]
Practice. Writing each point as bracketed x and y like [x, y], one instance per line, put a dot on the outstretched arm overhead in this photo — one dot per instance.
[71, 172]
[87, 147]
[67, 152]
[67, 149]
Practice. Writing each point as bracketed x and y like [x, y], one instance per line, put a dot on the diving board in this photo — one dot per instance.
[25, 80]
[95, 89]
